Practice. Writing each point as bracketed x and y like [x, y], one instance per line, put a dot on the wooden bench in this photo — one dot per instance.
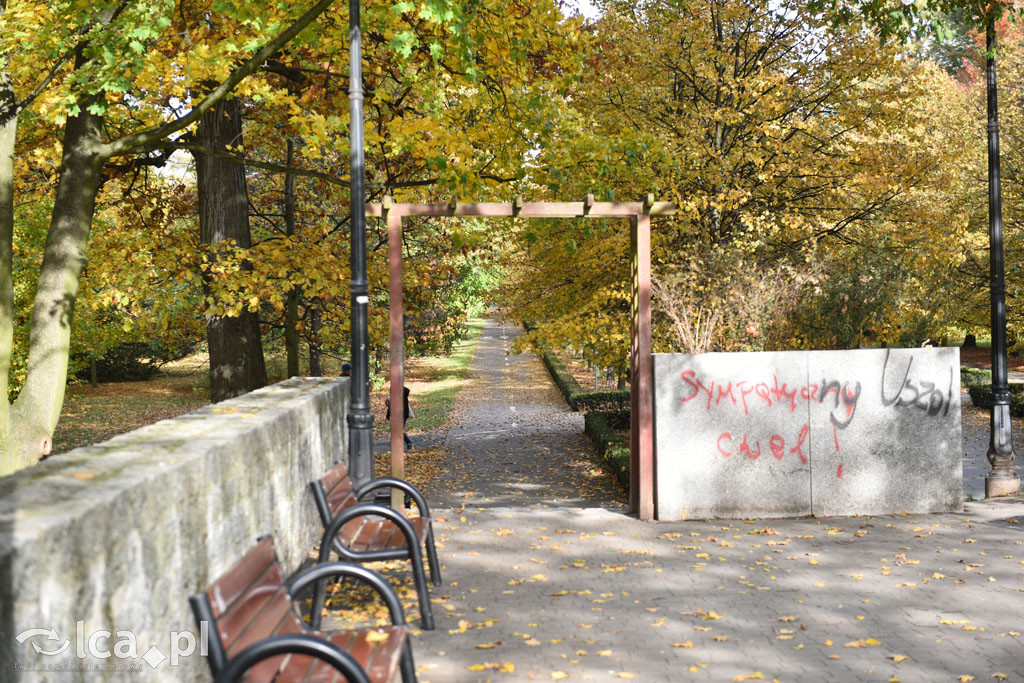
[256, 633]
[360, 532]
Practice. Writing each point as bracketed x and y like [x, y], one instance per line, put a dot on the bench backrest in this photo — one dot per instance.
[333, 493]
[248, 603]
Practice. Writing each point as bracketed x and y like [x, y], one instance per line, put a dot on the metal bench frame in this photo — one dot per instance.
[333, 524]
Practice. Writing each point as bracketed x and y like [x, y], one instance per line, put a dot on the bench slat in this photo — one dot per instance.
[272, 618]
[258, 599]
[228, 588]
[335, 476]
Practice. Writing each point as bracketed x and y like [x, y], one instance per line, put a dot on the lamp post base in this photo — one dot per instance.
[1001, 485]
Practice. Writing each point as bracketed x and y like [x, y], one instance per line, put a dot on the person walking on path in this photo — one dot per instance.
[406, 414]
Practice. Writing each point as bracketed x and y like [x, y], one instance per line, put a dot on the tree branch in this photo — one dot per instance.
[148, 137]
[281, 168]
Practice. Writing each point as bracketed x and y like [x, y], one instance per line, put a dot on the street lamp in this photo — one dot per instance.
[360, 419]
[1002, 480]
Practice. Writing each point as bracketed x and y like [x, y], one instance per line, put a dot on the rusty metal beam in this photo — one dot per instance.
[397, 349]
[642, 470]
[530, 209]
[643, 375]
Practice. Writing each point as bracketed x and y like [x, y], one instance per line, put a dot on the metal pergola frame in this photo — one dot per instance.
[642, 472]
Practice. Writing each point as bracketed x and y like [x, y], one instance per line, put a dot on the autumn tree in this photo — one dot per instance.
[775, 133]
[234, 342]
[105, 61]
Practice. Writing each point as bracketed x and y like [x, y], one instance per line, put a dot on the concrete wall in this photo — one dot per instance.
[870, 432]
[120, 534]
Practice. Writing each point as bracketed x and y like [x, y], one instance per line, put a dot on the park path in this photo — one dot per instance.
[546, 577]
[514, 442]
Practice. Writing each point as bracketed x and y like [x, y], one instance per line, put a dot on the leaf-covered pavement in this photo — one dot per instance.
[547, 579]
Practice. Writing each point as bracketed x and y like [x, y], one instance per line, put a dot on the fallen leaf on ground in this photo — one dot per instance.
[863, 642]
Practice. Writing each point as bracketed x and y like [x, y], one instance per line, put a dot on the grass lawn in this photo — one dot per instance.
[94, 414]
[434, 385]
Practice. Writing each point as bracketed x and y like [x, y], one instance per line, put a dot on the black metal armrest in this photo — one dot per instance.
[292, 644]
[328, 569]
[391, 482]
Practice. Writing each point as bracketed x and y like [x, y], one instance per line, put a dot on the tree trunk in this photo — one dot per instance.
[236, 349]
[8, 129]
[35, 413]
[291, 318]
[315, 323]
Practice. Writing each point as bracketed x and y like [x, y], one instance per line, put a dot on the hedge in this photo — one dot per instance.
[576, 396]
[613, 448]
[971, 376]
[981, 396]
[564, 380]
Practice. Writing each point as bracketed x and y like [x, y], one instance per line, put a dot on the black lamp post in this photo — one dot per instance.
[1002, 480]
[360, 419]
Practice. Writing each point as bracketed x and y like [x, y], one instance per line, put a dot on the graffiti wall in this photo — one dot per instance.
[873, 431]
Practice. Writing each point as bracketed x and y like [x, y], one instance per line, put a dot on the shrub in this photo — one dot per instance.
[132, 361]
[971, 376]
[981, 396]
[564, 380]
[576, 396]
[613, 448]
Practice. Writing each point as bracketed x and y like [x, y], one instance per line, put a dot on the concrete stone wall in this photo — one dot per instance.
[828, 433]
[118, 535]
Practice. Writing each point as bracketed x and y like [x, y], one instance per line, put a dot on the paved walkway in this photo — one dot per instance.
[547, 579]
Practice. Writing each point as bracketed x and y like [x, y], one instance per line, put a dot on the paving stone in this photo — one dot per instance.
[812, 567]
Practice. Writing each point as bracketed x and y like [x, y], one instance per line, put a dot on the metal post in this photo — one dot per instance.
[645, 373]
[397, 351]
[360, 419]
[641, 394]
[1002, 480]
[634, 395]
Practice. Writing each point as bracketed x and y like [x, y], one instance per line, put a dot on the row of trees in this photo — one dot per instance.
[96, 96]
[831, 184]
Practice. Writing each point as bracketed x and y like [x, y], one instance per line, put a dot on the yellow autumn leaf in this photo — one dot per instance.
[559, 675]
[966, 678]
[486, 646]
[899, 658]
[756, 676]
[377, 636]
[863, 642]
[625, 674]
[688, 644]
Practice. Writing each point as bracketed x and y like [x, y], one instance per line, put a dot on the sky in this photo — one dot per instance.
[587, 9]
